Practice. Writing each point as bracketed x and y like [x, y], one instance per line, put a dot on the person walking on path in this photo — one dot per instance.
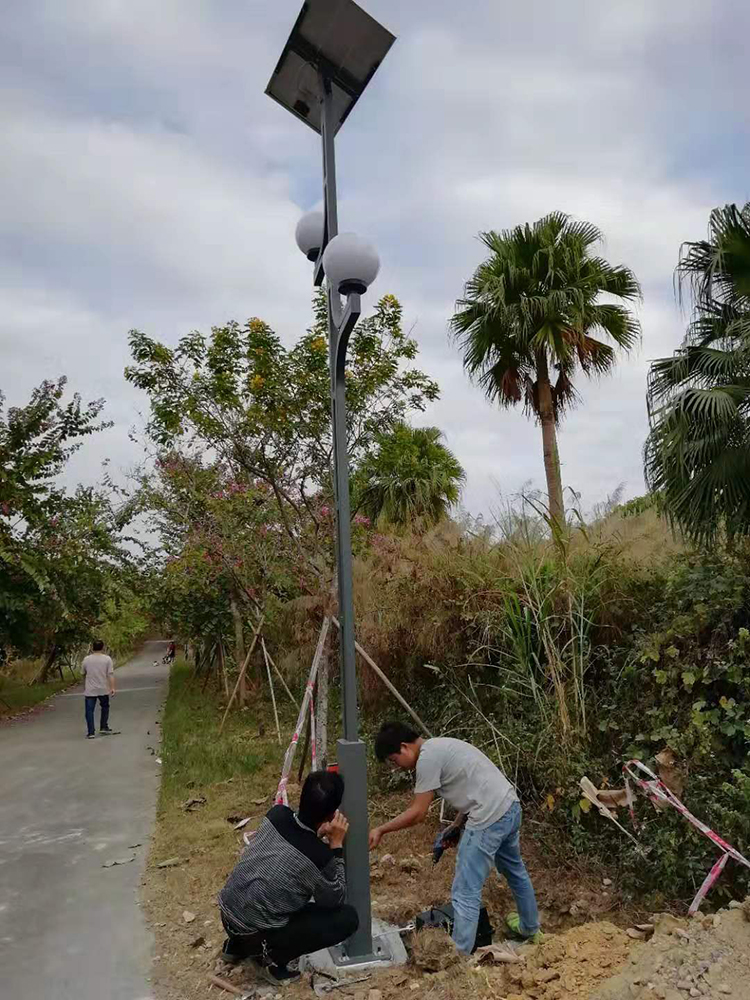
[487, 802]
[99, 675]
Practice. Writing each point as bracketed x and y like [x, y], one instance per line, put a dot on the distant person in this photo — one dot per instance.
[171, 652]
[487, 802]
[99, 675]
[266, 903]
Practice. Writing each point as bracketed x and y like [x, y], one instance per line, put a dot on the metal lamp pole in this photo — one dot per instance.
[333, 51]
[351, 752]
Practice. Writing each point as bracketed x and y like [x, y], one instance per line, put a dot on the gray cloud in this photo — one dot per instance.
[148, 182]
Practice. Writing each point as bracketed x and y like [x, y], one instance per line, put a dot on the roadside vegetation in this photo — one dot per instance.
[561, 641]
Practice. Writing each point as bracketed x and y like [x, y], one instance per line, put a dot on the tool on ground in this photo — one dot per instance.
[323, 983]
[445, 839]
[443, 916]
[231, 988]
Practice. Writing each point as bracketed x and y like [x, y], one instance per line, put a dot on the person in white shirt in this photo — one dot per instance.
[99, 676]
[488, 805]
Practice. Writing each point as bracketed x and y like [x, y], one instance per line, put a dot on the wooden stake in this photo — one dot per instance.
[242, 673]
[209, 666]
[396, 694]
[223, 668]
[321, 714]
[273, 693]
[292, 748]
[279, 673]
[239, 644]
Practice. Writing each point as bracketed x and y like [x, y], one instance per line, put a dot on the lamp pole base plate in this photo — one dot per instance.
[388, 950]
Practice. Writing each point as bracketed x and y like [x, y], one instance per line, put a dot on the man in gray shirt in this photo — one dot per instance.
[99, 676]
[486, 802]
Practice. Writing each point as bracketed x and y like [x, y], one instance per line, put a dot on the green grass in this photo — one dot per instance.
[16, 692]
[195, 755]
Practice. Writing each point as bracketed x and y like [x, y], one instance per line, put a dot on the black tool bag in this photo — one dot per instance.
[442, 916]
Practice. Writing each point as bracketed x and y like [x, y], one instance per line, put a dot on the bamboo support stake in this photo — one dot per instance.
[289, 756]
[273, 693]
[223, 668]
[396, 694]
[279, 673]
[242, 673]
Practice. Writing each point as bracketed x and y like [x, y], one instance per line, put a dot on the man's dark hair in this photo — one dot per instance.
[321, 796]
[97, 645]
[390, 738]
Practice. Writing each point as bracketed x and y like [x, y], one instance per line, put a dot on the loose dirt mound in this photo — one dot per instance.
[570, 965]
[432, 950]
[706, 957]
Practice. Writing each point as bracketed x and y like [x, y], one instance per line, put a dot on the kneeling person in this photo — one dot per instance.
[265, 905]
[484, 798]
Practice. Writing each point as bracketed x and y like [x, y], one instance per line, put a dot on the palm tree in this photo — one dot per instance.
[410, 477]
[530, 318]
[697, 455]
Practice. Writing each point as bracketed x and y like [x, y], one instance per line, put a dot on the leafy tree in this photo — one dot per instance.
[63, 555]
[265, 409]
[531, 317]
[697, 454]
[411, 477]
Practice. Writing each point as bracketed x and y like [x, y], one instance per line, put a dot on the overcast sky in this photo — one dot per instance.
[146, 181]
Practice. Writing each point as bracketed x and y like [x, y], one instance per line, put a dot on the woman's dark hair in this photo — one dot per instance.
[321, 796]
[97, 645]
[390, 738]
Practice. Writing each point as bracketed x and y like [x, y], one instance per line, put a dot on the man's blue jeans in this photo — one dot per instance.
[91, 705]
[478, 850]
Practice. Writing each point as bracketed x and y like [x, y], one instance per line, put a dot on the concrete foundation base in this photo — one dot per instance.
[387, 950]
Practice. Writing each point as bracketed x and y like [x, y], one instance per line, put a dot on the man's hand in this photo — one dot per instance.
[335, 830]
[376, 836]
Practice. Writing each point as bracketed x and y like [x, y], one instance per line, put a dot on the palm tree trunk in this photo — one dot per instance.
[549, 441]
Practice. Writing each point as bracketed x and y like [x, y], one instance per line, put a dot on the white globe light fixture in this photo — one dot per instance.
[309, 234]
[351, 264]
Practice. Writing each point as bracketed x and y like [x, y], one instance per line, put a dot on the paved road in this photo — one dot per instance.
[69, 928]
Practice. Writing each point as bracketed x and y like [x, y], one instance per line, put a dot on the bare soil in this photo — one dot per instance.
[587, 953]
[180, 900]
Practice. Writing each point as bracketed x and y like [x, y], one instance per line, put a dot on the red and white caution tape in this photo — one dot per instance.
[657, 792]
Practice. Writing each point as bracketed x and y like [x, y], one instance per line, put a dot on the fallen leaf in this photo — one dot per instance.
[242, 823]
[170, 863]
[192, 804]
[259, 802]
[118, 861]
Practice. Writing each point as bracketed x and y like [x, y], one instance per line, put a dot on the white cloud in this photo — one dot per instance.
[149, 182]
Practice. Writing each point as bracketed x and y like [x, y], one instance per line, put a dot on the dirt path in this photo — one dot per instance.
[69, 927]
